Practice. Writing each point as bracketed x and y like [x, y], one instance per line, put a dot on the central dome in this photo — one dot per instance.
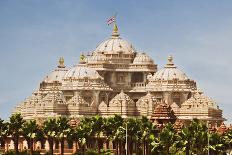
[115, 44]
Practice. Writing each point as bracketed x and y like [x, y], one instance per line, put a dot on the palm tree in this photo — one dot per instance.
[3, 131]
[147, 129]
[185, 137]
[30, 133]
[97, 125]
[120, 138]
[216, 144]
[228, 140]
[117, 129]
[134, 132]
[50, 128]
[108, 129]
[193, 139]
[82, 133]
[63, 128]
[166, 141]
[15, 129]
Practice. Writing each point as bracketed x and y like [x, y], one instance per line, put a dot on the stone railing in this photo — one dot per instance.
[138, 84]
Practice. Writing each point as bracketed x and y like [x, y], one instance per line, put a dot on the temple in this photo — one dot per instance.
[115, 78]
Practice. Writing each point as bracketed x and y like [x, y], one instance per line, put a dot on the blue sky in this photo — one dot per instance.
[34, 34]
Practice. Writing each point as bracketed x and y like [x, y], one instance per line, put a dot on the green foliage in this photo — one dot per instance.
[21, 153]
[105, 152]
[3, 129]
[92, 132]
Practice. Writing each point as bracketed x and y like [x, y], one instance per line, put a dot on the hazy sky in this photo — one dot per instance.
[34, 34]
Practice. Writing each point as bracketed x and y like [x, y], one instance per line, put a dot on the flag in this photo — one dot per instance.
[111, 20]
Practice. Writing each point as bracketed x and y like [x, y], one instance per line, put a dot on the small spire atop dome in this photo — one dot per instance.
[82, 59]
[170, 63]
[61, 63]
[115, 30]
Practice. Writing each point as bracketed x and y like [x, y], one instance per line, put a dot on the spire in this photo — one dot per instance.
[115, 30]
[82, 59]
[61, 63]
[170, 63]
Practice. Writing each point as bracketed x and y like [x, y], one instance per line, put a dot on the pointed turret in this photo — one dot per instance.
[115, 30]
[61, 63]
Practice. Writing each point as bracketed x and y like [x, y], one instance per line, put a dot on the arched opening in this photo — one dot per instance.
[137, 77]
[107, 78]
[176, 98]
[189, 95]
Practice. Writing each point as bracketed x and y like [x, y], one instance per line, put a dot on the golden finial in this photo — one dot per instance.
[61, 63]
[82, 58]
[115, 30]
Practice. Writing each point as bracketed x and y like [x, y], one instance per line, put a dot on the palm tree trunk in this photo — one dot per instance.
[83, 149]
[107, 143]
[62, 146]
[76, 146]
[51, 146]
[116, 144]
[16, 143]
[120, 147]
[187, 150]
[98, 145]
[31, 146]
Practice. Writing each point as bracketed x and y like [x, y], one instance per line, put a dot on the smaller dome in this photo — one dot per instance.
[170, 72]
[97, 58]
[82, 71]
[142, 58]
[57, 74]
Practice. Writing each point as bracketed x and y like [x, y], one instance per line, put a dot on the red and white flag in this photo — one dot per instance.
[111, 20]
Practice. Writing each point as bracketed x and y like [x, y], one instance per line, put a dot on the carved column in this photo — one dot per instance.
[183, 97]
[167, 97]
[96, 100]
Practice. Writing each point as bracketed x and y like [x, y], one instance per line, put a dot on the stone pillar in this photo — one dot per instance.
[75, 147]
[6, 145]
[59, 148]
[11, 145]
[25, 145]
[144, 77]
[167, 98]
[113, 78]
[38, 145]
[96, 98]
[46, 145]
[183, 97]
[129, 76]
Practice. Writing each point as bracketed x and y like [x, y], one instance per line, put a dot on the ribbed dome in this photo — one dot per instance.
[97, 58]
[115, 44]
[170, 72]
[80, 72]
[142, 58]
[57, 74]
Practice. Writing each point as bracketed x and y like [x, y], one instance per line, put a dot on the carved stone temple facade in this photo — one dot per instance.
[117, 79]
